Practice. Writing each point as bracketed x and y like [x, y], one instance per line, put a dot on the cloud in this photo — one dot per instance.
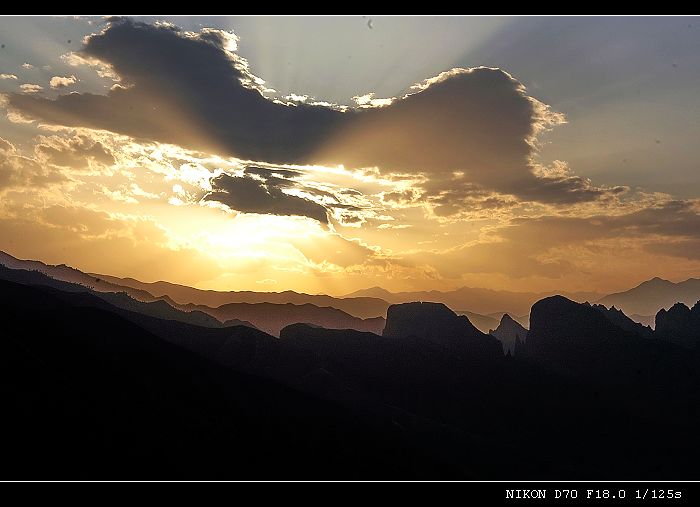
[6, 145]
[75, 152]
[8, 76]
[57, 82]
[503, 257]
[30, 88]
[27, 66]
[335, 249]
[250, 195]
[620, 243]
[685, 248]
[18, 172]
[195, 86]
[192, 90]
[400, 197]
[657, 216]
[285, 191]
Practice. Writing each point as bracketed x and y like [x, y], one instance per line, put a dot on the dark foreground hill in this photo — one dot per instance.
[91, 390]
[89, 395]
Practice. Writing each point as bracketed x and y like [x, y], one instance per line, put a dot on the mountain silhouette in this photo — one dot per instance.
[374, 292]
[580, 340]
[679, 324]
[88, 395]
[482, 322]
[158, 308]
[439, 325]
[649, 297]
[621, 320]
[363, 307]
[65, 273]
[644, 320]
[508, 333]
[102, 385]
[271, 317]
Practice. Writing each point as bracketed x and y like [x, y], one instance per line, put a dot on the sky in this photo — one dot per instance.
[331, 154]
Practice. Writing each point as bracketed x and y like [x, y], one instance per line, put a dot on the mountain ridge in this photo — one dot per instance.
[652, 295]
[478, 300]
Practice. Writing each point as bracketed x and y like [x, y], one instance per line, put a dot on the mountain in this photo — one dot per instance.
[482, 322]
[582, 341]
[271, 317]
[92, 390]
[644, 320]
[89, 395]
[508, 333]
[362, 307]
[523, 320]
[621, 320]
[68, 274]
[649, 297]
[679, 324]
[477, 300]
[373, 292]
[438, 325]
[121, 300]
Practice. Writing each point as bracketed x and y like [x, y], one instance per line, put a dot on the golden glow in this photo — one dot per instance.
[142, 213]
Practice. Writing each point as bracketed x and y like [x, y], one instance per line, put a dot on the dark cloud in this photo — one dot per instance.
[188, 89]
[269, 190]
[249, 195]
[351, 219]
[565, 190]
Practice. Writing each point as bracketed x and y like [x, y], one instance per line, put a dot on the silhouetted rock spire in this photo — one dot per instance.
[508, 331]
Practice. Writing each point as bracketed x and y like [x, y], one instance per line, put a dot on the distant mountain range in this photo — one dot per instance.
[649, 297]
[268, 316]
[362, 310]
[272, 317]
[362, 307]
